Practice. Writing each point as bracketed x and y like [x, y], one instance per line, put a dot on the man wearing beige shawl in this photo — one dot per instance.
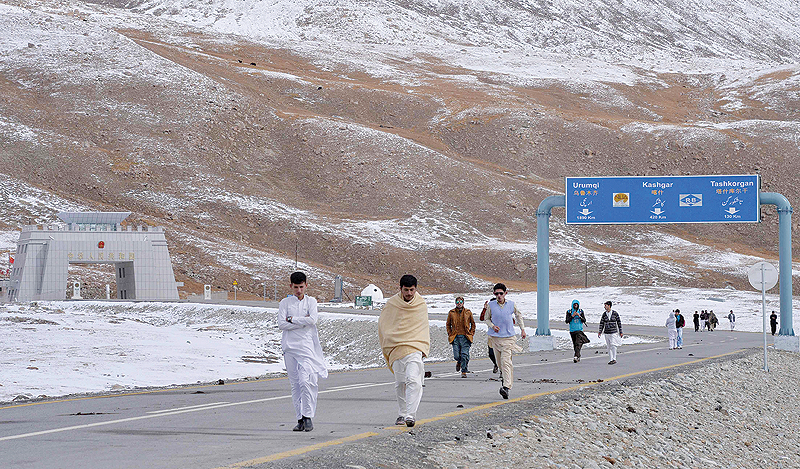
[405, 339]
[501, 316]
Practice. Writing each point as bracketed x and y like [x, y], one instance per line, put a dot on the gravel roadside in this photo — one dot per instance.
[725, 413]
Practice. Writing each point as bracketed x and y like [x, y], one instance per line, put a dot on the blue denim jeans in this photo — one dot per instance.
[461, 347]
[680, 337]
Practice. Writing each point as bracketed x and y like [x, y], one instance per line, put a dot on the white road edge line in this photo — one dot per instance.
[188, 407]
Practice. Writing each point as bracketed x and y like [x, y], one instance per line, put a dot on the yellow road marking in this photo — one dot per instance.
[299, 451]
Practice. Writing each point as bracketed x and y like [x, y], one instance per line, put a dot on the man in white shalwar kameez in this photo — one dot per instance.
[302, 352]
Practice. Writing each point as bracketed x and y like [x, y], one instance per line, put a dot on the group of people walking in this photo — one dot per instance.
[404, 336]
[708, 320]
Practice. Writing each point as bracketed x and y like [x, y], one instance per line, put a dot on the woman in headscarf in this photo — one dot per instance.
[576, 319]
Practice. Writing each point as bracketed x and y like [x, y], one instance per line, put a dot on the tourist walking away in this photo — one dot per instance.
[773, 322]
[672, 331]
[500, 317]
[611, 326]
[732, 319]
[696, 322]
[491, 350]
[460, 331]
[405, 339]
[713, 322]
[680, 323]
[576, 319]
[302, 352]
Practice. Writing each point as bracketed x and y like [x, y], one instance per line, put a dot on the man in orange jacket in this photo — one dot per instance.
[460, 331]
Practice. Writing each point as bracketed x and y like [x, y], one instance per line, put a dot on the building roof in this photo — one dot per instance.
[109, 218]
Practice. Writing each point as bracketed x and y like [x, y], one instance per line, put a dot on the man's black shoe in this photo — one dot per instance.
[307, 425]
[300, 426]
[504, 392]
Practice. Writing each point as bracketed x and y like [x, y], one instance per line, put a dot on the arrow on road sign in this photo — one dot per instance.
[731, 210]
[585, 212]
[657, 211]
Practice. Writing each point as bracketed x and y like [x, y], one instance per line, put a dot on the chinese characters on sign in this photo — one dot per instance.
[663, 199]
[100, 256]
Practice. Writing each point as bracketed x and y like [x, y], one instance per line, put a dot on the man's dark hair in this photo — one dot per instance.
[608, 303]
[297, 278]
[408, 281]
[499, 286]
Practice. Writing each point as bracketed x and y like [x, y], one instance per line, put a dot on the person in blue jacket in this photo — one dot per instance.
[576, 319]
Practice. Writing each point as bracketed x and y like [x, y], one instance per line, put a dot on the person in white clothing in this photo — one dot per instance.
[672, 331]
[302, 352]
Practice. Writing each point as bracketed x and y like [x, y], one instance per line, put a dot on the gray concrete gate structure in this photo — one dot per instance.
[141, 258]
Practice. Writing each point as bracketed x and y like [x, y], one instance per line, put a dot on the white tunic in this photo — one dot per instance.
[300, 337]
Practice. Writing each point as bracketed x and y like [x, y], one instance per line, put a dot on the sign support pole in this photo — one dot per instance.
[764, 314]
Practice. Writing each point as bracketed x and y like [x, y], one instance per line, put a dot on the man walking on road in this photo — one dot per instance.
[611, 326]
[696, 322]
[773, 322]
[460, 331]
[500, 318]
[302, 352]
[732, 319]
[680, 323]
[404, 335]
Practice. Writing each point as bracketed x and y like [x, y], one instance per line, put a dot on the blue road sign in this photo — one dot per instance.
[663, 199]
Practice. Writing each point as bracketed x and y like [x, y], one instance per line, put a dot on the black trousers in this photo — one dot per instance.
[491, 356]
[575, 344]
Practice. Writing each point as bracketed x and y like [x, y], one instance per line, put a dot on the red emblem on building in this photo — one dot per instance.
[101, 244]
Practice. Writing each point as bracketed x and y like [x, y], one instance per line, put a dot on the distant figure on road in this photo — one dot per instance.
[696, 322]
[704, 318]
[680, 323]
[713, 322]
[732, 319]
[773, 322]
[302, 352]
[500, 318]
[611, 326]
[405, 338]
[491, 350]
[460, 331]
[672, 331]
[576, 319]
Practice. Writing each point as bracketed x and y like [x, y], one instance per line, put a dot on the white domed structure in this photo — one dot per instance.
[374, 292]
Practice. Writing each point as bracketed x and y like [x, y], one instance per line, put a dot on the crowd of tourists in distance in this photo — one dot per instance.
[404, 336]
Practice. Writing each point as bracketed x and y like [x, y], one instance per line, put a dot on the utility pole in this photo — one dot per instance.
[295, 254]
[586, 282]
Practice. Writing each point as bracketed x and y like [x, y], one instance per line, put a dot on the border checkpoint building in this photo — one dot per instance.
[141, 259]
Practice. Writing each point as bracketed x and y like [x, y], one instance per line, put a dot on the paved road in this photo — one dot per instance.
[249, 423]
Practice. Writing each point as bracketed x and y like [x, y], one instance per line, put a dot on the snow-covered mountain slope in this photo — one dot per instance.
[383, 137]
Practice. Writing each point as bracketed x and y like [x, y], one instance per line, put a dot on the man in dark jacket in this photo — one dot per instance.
[696, 321]
[680, 323]
[773, 322]
[610, 325]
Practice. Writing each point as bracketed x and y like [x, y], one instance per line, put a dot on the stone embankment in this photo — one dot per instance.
[726, 413]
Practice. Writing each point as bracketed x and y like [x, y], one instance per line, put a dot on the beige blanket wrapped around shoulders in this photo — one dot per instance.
[403, 328]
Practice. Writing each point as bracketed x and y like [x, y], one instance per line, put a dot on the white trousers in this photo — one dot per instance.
[673, 338]
[733, 324]
[408, 373]
[304, 387]
[611, 346]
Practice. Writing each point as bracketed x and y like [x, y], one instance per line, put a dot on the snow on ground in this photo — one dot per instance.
[67, 347]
